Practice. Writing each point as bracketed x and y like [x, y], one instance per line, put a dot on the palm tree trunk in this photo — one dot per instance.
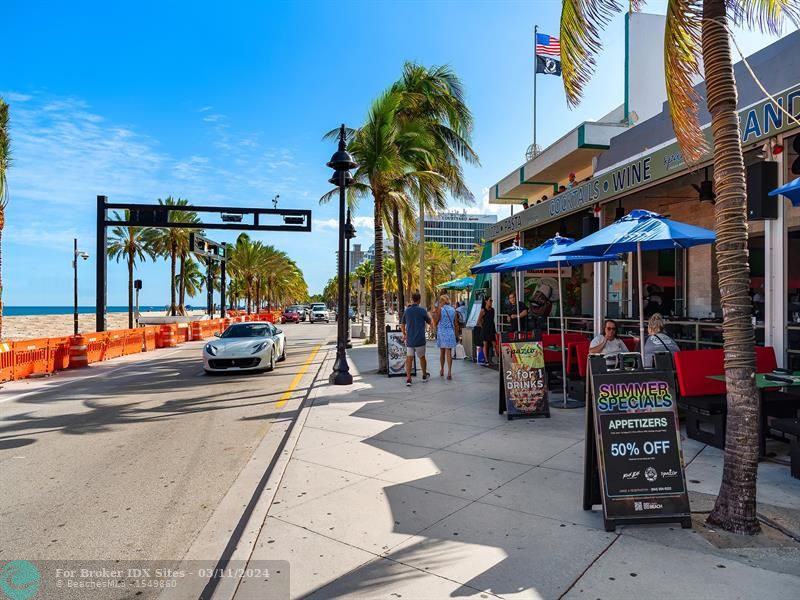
[735, 507]
[130, 291]
[422, 254]
[380, 307]
[182, 301]
[173, 260]
[401, 301]
[371, 339]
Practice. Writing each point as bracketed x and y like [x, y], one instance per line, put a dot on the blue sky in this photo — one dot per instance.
[228, 104]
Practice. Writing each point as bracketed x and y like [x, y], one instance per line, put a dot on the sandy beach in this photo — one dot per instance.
[42, 326]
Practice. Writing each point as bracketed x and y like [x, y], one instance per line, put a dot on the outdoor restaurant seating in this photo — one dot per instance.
[791, 427]
[577, 382]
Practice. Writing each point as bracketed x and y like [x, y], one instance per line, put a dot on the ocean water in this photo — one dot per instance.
[22, 311]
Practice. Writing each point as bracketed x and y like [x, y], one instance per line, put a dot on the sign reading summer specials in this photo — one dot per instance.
[396, 350]
[523, 379]
[637, 445]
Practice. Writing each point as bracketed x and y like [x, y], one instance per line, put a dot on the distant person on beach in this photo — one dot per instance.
[413, 323]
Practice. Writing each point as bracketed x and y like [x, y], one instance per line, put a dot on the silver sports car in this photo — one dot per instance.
[245, 347]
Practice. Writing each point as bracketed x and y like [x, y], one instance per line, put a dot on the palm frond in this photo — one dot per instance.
[5, 152]
[581, 24]
[682, 57]
[765, 15]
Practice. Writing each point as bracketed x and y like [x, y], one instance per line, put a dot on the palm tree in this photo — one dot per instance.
[435, 97]
[409, 255]
[173, 243]
[389, 152]
[5, 161]
[697, 33]
[191, 278]
[366, 271]
[130, 243]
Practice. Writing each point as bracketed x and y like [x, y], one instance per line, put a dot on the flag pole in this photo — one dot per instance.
[535, 69]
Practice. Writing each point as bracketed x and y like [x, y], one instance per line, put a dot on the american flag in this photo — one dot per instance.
[547, 45]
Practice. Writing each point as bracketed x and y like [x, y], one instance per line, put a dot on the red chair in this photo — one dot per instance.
[630, 343]
[577, 384]
[702, 398]
[765, 359]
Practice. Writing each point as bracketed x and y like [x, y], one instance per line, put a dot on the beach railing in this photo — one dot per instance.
[30, 356]
[7, 361]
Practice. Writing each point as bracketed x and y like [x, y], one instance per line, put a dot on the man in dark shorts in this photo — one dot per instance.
[415, 318]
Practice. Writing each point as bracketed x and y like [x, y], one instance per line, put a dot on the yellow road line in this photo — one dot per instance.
[296, 381]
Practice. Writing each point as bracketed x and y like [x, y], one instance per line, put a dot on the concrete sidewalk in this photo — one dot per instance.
[426, 492]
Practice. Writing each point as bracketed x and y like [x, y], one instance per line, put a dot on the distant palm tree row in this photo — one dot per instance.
[259, 274]
[441, 265]
[409, 151]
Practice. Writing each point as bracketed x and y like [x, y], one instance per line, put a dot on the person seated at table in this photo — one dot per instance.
[608, 344]
[657, 340]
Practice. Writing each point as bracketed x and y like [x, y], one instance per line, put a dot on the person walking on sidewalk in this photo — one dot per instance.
[446, 322]
[415, 318]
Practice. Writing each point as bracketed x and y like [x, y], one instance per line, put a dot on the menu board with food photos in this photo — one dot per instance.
[523, 381]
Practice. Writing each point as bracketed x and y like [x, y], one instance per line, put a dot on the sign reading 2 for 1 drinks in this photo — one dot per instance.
[638, 444]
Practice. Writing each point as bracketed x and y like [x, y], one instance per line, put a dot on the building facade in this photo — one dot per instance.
[641, 166]
[457, 230]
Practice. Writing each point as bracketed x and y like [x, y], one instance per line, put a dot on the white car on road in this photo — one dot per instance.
[245, 347]
[319, 312]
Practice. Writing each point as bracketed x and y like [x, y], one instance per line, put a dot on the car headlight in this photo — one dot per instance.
[259, 347]
[212, 350]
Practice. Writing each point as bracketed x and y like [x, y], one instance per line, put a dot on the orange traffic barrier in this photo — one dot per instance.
[58, 354]
[96, 346]
[134, 340]
[198, 332]
[30, 356]
[184, 333]
[78, 352]
[6, 362]
[167, 336]
[150, 335]
[115, 344]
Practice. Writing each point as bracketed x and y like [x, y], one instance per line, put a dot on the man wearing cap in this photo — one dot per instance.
[572, 181]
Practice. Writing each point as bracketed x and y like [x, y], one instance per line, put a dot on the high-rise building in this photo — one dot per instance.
[458, 231]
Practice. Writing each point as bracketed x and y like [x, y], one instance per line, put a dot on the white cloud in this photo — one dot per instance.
[213, 118]
[205, 109]
[15, 97]
[482, 207]
[361, 224]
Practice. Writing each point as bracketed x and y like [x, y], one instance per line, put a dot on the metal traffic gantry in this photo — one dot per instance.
[158, 215]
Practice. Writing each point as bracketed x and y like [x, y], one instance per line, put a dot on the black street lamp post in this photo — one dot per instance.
[349, 234]
[76, 254]
[341, 162]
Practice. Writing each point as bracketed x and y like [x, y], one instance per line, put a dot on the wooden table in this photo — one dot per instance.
[762, 383]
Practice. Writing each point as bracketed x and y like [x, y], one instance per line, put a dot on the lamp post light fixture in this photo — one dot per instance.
[341, 162]
[275, 201]
[76, 254]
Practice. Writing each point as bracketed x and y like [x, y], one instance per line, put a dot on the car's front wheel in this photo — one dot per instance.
[271, 366]
[283, 353]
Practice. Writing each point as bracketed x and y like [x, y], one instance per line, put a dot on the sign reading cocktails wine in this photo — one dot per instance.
[633, 431]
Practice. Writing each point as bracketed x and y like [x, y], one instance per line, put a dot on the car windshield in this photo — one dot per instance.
[318, 307]
[246, 330]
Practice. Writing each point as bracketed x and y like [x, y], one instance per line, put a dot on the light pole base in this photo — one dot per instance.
[341, 370]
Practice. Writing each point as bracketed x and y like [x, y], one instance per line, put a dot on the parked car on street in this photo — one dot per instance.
[252, 346]
[319, 312]
[291, 314]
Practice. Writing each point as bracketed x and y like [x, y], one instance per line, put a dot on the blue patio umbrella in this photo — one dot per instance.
[639, 230]
[490, 265]
[461, 283]
[791, 190]
[545, 256]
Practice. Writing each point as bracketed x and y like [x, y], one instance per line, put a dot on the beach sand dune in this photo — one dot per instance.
[43, 326]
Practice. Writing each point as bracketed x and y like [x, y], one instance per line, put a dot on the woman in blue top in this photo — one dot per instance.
[446, 322]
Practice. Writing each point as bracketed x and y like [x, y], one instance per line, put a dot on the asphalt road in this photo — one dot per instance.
[131, 464]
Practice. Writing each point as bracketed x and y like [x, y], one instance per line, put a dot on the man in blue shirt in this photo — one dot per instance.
[413, 327]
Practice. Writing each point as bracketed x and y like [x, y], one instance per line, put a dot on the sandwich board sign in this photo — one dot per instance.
[396, 354]
[633, 463]
[523, 380]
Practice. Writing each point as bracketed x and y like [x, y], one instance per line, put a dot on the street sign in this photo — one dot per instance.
[633, 463]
